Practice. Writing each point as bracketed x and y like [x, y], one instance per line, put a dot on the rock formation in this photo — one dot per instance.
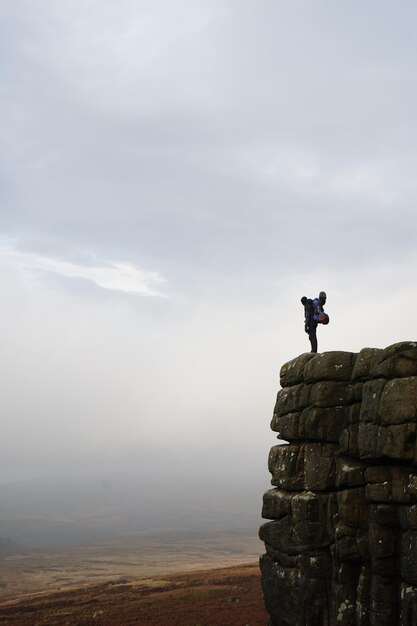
[341, 543]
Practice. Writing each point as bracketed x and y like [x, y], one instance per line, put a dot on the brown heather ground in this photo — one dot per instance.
[229, 596]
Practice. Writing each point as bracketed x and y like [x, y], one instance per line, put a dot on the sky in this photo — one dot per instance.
[174, 177]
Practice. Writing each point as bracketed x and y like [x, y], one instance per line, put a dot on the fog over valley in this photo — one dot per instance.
[72, 510]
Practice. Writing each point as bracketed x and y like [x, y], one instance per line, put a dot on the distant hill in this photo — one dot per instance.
[7, 546]
[66, 511]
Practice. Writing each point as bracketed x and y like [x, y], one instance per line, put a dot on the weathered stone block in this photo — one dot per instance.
[278, 534]
[398, 360]
[286, 464]
[411, 487]
[389, 402]
[386, 567]
[408, 561]
[382, 614]
[295, 539]
[349, 472]
[309, 506]
[349, 441]
[371, 397]
[292, 399]
[313, 424]
[287, 426]
[309, 466]
[387, 484]
[313, 571]
[303, 522]
[323, 394]
[352, 413]
[384, 515]
[291, 373]
[320, 466]
[281, 594]
[333, 366]
[407, 516]
[343, 603]
[383, 590]
[398, 402]
[393, 442]
[382, 541]
[400, 443]
[378, 473]
[383, 601]
[276, 504]
[348, 437]
[364, 363]
[362, 596]
[351, 544]
[345, 609]
[322, 424]
[284, 559]
[352, 508]
[408, 605]
[332, 393]
[317, 565]
[370, 445]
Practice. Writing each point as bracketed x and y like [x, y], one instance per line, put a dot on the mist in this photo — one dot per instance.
[174, 178]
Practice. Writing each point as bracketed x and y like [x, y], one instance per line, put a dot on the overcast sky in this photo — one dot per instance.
[175, 175]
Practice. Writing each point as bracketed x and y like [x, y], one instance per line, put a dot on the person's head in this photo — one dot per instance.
[322, 297]
[304, 300]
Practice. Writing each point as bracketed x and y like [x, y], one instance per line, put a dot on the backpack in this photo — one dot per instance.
[314, 311]
[323, 318]
[319, 315]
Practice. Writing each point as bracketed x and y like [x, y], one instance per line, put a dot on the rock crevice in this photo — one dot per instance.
[341, 540]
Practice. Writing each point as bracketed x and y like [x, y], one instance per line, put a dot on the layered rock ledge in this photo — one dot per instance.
[341, 540]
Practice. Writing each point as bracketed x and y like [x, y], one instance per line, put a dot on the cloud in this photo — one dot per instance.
[116, 276]
[153, 134]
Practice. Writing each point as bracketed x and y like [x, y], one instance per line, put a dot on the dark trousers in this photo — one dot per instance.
[312, 335]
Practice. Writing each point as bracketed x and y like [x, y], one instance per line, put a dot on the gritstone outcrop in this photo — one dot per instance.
[341, 543]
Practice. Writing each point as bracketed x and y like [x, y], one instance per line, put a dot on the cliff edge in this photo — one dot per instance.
[341, 543]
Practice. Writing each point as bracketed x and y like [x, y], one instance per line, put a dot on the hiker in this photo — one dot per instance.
[313, 315]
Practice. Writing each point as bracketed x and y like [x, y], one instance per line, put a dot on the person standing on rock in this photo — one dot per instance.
[314, 314]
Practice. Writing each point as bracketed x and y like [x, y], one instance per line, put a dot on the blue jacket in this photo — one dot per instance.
[316, 308]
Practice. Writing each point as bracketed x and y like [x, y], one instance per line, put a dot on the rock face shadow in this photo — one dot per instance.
[341, 540]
